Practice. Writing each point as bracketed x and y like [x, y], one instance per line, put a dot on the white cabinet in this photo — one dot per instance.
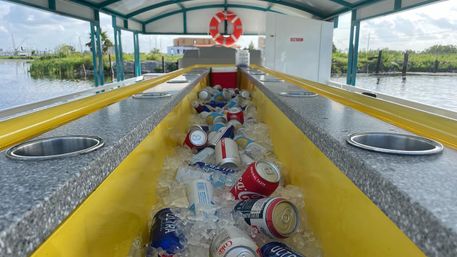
[299, 46]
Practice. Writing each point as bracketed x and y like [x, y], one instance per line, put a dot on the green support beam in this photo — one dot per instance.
[136, 49]
[397, 5]
[301, 7]
[353, 54]
[164, 15]
[118, 51]
[343, 3]
[355, 6]
[184, 25]
[97, 55]
[107, 2]
[52, 4]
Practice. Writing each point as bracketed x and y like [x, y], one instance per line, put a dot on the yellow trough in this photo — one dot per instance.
[344, 220]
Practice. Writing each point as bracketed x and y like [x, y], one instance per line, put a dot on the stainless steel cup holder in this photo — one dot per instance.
[395, 143]
[298, 94]
[152, 95]
[55, 147]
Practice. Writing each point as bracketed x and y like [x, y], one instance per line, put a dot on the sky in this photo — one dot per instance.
[414, 29]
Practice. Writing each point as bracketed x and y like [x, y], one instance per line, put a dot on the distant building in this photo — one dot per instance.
[181, 44]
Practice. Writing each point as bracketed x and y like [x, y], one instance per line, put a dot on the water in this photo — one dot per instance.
[17, 87]
[439, 91]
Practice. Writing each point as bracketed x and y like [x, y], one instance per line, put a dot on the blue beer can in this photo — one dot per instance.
[277, 249]
[166, 235]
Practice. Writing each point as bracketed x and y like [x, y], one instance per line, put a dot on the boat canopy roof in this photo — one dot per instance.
[192, 16]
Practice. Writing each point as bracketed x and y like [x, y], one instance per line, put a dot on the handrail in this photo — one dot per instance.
[420, 122]
[18, 129]
[25, 108]
[417, 105]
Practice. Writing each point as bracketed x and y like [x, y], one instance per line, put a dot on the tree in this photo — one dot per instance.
[65, 50]
[106, 42]
[251, 46]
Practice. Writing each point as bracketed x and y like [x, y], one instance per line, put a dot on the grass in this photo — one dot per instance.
[392, 61]
[73, 65]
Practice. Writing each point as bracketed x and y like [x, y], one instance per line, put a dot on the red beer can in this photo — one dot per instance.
[235, 113]
[196, 138]
[260, 180]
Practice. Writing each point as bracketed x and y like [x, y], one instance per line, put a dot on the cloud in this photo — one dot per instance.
[414, 29]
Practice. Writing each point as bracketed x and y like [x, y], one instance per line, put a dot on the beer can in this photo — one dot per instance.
[218, 87]
[217, 126]
[235, 113]
[196, 138]
[243, 141]
[166, 234]
[212, 90]
[245, 94]
[219, 97]
[203, 156]
[200, 107]
[204, 95]
[228, 93]
[232, 242]
[219, 119]
[235, 123]
[211, 118]
[217, 104]
[200, 194]
[273, 216]
[204, 114]
[215, 136]
[260, 179]
[275, 249]
[226, 153]
[234, 102]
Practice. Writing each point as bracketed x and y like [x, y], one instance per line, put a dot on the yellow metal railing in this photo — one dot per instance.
[426, 124]
[420, 122]
[15, 130]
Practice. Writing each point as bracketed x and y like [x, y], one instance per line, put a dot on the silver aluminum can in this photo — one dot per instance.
[228, 93]
[235, 123]
[274, 216]
[226, 153]
[204, 95]
[245, 94]
[232, 242]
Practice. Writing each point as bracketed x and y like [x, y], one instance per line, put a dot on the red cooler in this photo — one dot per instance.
[224, 76]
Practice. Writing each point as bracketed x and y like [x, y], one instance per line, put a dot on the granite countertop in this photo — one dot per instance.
[418, 193]
[38, 195]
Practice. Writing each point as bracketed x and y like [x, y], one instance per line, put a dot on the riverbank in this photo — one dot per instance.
[79, 65]
[436, 59]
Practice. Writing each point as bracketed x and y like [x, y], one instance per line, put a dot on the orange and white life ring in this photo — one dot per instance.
[229, 16]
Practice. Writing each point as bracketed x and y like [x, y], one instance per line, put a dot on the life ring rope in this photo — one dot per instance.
[229, 16]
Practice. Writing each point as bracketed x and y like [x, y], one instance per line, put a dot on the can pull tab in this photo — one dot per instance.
[286, 216]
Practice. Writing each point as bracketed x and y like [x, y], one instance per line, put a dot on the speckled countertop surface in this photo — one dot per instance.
[36, 196]
[419, 193]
